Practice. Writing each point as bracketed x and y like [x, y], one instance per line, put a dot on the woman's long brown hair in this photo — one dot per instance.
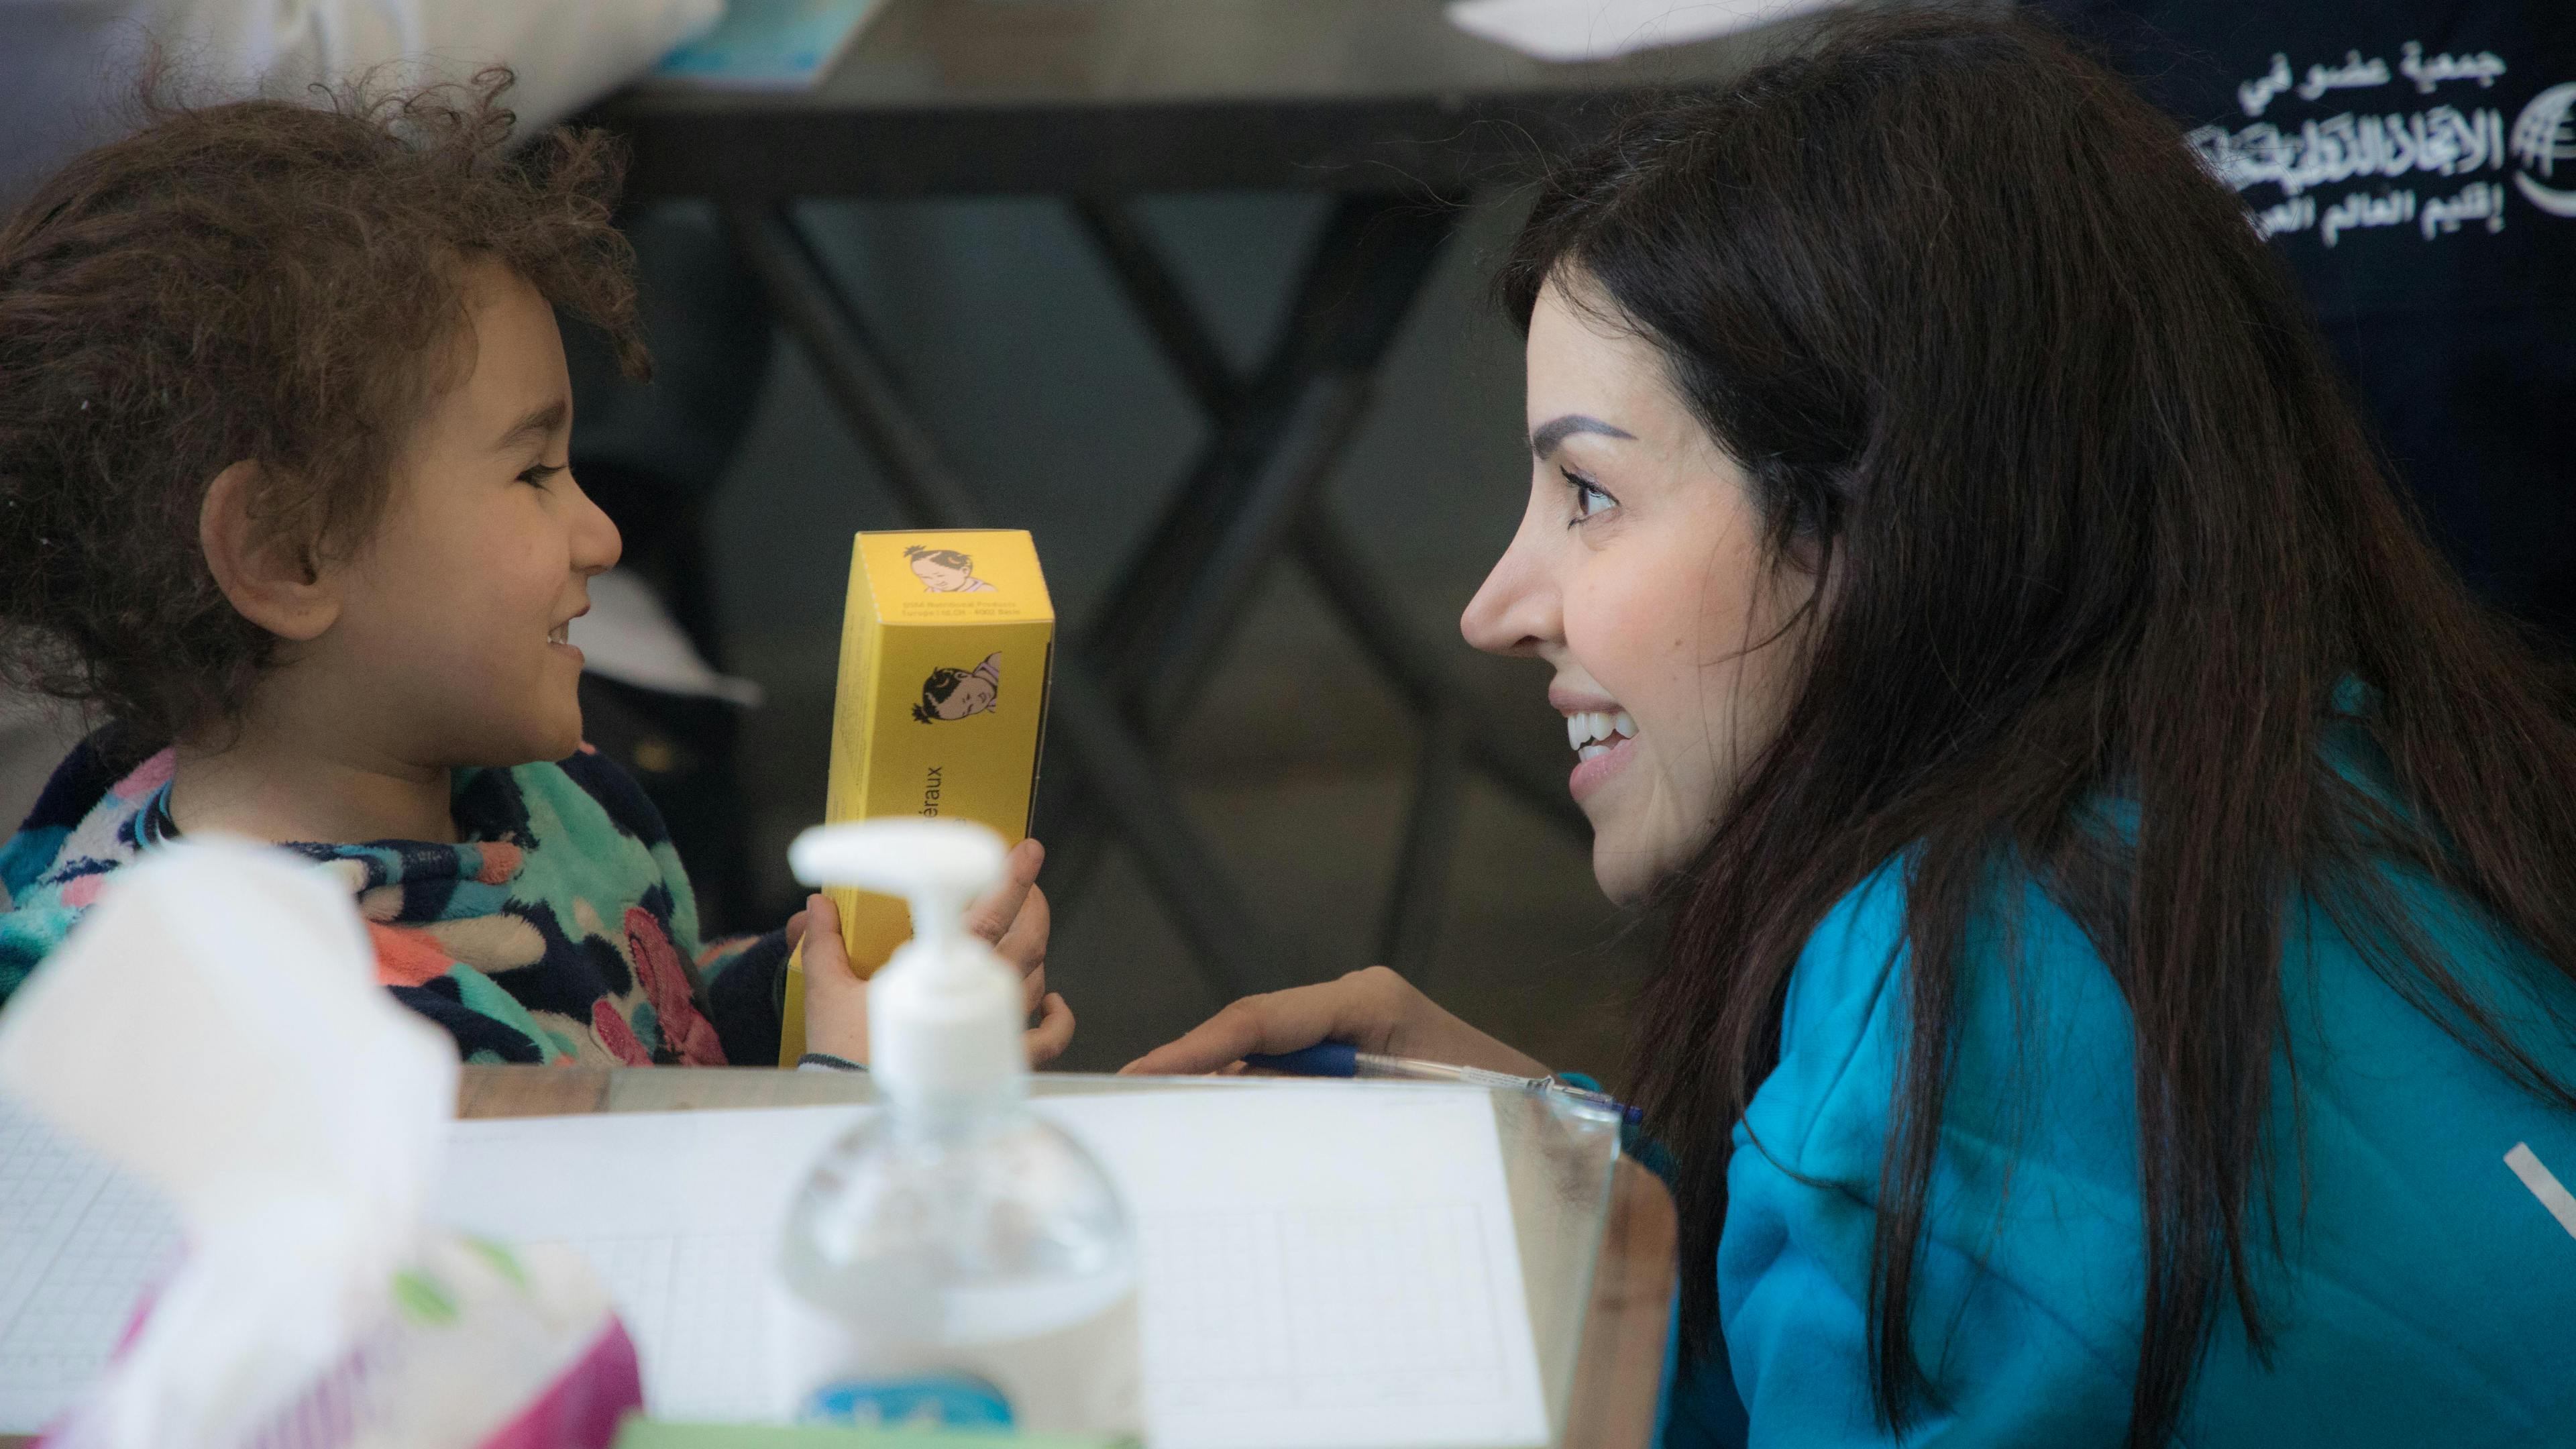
[2092, 519]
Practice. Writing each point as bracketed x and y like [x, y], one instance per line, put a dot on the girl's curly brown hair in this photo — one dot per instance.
[258, 281]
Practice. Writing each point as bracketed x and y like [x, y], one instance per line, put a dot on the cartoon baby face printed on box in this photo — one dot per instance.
[956, 693]
[945, 570]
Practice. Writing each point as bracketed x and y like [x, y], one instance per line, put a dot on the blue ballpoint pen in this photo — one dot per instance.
[1335, 1059]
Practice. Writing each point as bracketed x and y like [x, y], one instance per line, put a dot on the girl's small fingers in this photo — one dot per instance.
[1025, 944]
[1033, 992]
[993, 912]
[1053, 1033]
[827, 960]
[796, 929]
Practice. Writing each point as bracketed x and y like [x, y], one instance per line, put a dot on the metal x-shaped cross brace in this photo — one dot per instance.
[1254, 493]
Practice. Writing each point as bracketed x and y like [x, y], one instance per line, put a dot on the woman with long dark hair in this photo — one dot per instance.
[2123, 980]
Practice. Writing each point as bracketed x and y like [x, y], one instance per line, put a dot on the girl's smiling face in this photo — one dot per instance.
[450, 646]
[1639, 573]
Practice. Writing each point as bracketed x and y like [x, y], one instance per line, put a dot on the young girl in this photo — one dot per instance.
[283, 420]
[2124, 893]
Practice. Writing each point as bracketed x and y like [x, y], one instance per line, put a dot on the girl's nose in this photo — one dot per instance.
[596, 544]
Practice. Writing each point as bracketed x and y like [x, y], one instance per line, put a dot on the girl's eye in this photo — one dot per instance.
[1589, 501]
[541, 473]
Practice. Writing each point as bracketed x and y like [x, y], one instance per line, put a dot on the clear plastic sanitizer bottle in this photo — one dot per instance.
[956, 1260]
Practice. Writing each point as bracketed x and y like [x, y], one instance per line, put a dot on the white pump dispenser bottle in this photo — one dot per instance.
[955, 1260]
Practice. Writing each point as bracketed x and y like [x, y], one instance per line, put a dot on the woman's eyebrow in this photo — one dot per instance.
[1546, 436]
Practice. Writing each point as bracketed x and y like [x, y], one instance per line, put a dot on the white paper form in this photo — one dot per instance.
[1325, 1267]
[678, 1211]
[79, 1243]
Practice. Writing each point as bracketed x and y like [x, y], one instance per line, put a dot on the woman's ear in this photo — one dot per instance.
[269, 577]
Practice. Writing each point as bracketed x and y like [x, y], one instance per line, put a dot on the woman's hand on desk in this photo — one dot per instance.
[1013, 916]
[1374, 1010]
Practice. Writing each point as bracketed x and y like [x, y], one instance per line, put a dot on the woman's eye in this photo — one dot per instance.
[541, 473]
[1589, 500]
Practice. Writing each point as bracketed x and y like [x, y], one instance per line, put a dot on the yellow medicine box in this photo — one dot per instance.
[947, 651]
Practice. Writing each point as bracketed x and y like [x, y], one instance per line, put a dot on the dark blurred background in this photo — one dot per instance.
[1017, 353]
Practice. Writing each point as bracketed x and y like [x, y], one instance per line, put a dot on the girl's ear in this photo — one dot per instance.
[269, 577]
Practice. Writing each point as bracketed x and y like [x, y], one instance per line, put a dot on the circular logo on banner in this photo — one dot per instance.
[2544, 136]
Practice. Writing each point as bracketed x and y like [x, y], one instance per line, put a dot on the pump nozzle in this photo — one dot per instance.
[944, 1016]
[938, 866]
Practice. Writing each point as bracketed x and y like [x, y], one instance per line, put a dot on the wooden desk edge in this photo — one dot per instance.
[1619, 1364]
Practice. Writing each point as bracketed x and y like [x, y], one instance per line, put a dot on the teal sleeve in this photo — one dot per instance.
[2018, 1298]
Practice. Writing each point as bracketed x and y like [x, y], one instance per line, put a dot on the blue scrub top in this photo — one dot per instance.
[2426, 1294]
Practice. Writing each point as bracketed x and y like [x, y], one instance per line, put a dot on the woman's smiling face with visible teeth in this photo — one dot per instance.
[1639, 573]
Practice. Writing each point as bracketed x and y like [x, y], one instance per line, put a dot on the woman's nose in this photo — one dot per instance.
[1515, 609]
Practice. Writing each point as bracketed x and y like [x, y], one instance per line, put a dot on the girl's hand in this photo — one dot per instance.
[1374, 1010]
[1013, 917]
[836, 1000]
